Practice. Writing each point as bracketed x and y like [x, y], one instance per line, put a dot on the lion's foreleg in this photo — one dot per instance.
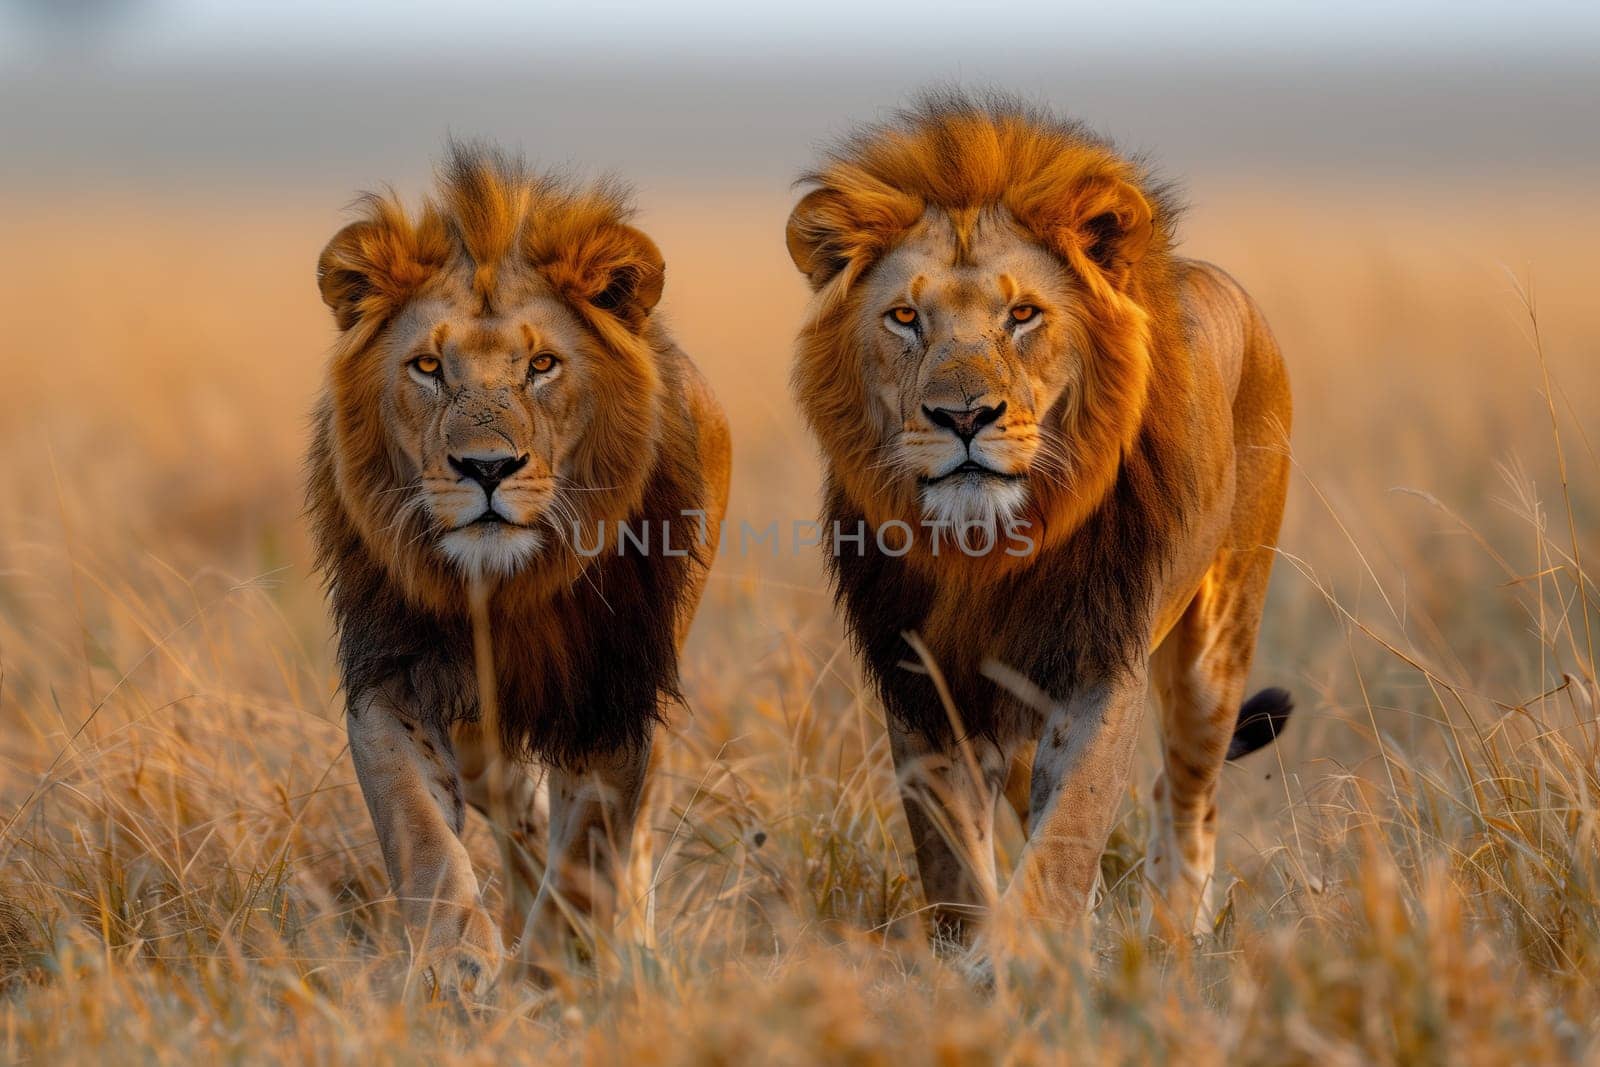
[407, 771]
[519, 818]
[592, 813]
[949, 793]
[1079, 773]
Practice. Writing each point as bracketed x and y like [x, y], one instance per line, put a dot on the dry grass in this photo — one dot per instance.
[187, 872]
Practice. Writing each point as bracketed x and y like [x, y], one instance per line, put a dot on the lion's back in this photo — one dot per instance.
[1227, 327]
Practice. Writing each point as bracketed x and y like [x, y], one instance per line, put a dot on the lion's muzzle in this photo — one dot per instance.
[964, 422]
[488, 471]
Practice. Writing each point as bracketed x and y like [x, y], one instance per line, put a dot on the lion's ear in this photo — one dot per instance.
[1109, 224]
[831, 228]
[374, 265]
[344, 273]
[635, 275]
[616, 269]
[816, 235]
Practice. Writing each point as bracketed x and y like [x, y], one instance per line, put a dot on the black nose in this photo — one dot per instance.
[964, 422]
[488, 472]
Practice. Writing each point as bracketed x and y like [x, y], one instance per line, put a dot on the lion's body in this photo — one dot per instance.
[1141, 402]
[506, 274]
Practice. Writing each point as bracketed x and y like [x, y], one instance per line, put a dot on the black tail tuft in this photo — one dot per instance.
[1260, 721]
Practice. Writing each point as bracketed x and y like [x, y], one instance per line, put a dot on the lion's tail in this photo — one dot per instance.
[1261, 720]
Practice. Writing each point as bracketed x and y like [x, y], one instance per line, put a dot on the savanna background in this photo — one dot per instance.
[187, 871]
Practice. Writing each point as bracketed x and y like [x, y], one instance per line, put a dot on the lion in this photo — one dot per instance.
[1077, 442]
[502, 409]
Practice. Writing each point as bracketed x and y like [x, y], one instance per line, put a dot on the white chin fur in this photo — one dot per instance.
[491, 551]
[974, 509]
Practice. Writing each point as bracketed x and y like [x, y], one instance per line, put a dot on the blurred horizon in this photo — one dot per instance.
[180, 95]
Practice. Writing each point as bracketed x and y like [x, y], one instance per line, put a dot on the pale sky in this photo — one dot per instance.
[143, 32]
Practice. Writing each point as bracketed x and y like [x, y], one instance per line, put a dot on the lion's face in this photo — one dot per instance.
[970, 348]
[495, 388]
[487, 411]
[977, 353]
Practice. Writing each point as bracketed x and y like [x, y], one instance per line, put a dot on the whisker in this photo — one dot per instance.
[408, 487]
[583, 569]
[405, 511]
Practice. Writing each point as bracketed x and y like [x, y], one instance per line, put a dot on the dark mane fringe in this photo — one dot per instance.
[1078, 615]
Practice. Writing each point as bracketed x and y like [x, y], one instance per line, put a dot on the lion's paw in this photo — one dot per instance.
[465, 969]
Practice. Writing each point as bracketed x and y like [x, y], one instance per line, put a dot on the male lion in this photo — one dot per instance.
[1067, 447]
[500, 399]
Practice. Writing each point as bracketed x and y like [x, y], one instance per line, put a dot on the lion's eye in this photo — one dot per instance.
[543, 363]
[1023, 312]
[428, 365]
[903, 315]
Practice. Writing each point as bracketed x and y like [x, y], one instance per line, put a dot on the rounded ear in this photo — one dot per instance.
[1112, 227]
[631, 275]
[829, 229]
[344, 273]
[613, 268]
[815, 234]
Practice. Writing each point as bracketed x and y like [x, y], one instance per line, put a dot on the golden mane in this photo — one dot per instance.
[490, 211]
[492, 223]
[1102, 213]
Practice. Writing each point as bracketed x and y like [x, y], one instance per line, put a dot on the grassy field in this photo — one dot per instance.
[188, 874]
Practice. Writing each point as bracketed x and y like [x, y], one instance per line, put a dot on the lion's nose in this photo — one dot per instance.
[488, 471]
[964, 422]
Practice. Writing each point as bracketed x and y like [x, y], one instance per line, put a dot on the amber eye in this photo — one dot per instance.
[1023, 312]
[428, 365]
[542, 363]
[903, 315]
